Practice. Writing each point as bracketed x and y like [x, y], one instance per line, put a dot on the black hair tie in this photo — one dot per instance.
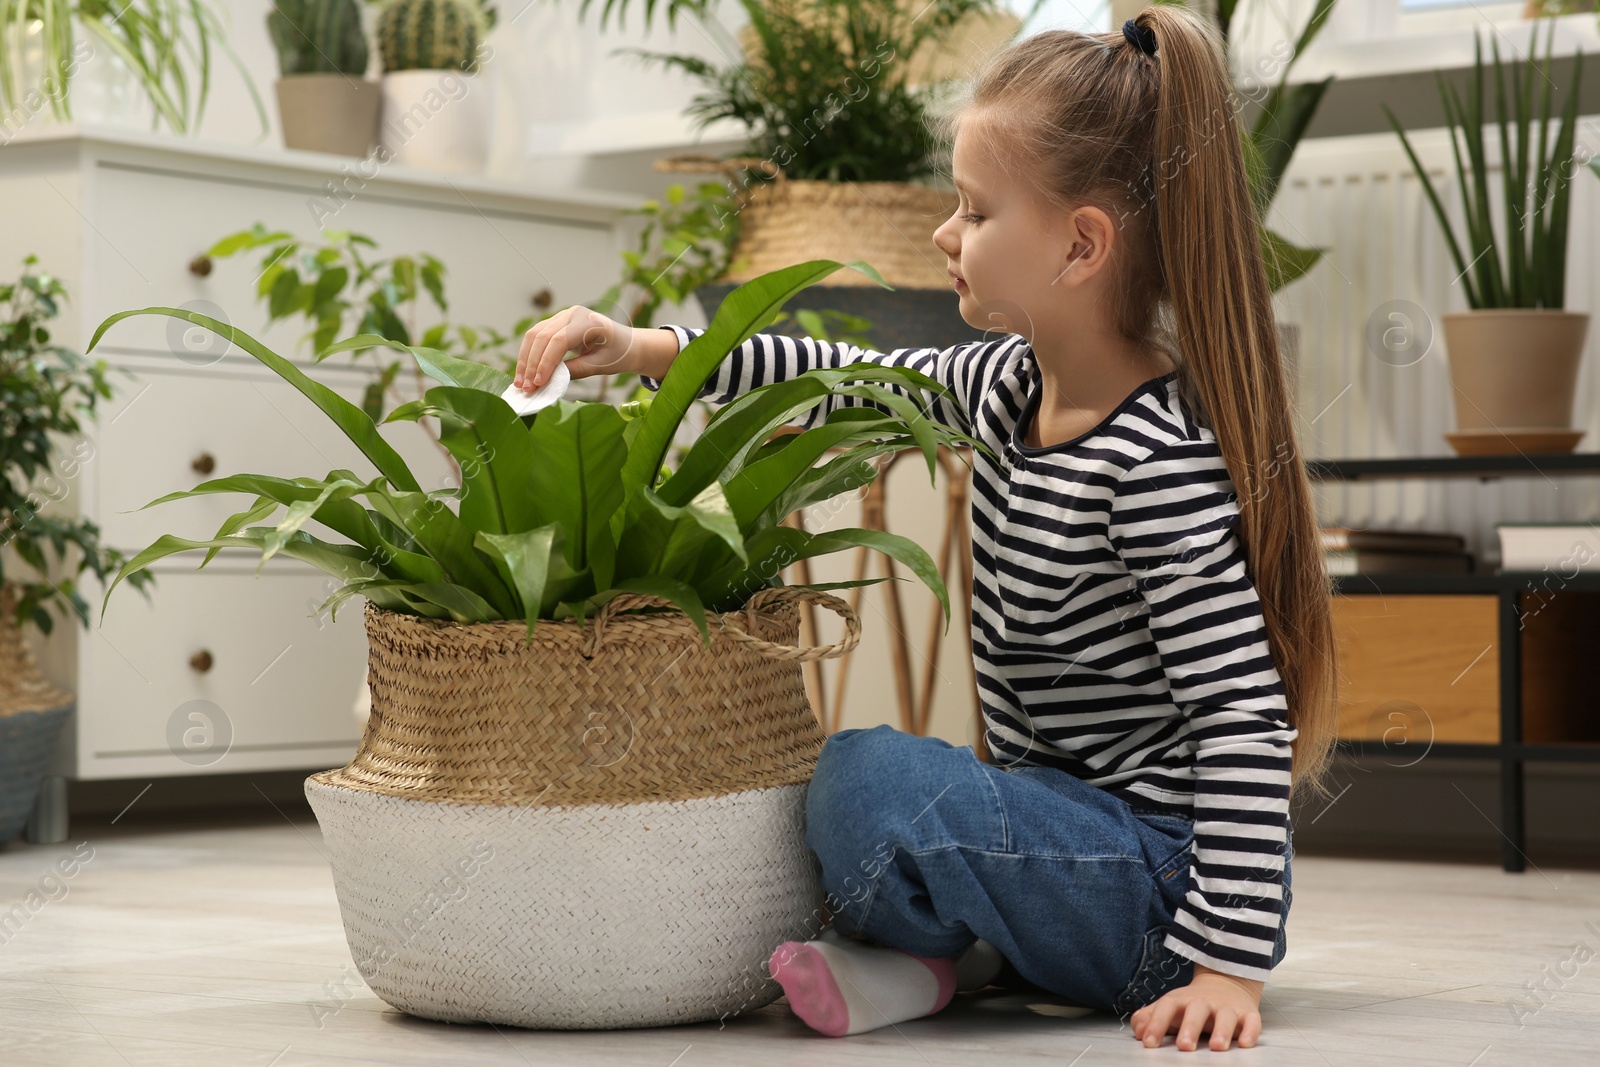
[1141, 37]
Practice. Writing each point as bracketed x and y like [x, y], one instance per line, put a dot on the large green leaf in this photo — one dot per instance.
[742, 313]
[661, 539]
[528, 557]
[494, 450]
[440, 534]
[1285, 261]
[846, 473]
[577, 480]
[777, 547]
[345, 562]
[356, 424]
[743, 425]
[755, 487]
[440, 366]
[380, 539]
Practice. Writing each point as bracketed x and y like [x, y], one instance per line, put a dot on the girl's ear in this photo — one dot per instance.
[1091, 238]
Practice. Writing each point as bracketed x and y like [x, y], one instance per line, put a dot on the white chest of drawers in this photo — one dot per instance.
[227, 669]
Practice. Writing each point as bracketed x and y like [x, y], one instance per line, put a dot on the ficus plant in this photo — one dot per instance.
[48, 392]
[562, 510]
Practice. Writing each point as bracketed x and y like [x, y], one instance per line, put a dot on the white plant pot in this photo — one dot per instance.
[599, 916]
[436, 119]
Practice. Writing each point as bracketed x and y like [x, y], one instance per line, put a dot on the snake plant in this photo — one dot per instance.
[1528, 269]
[562, 510]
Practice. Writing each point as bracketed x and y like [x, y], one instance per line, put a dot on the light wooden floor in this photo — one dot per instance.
[208, 946]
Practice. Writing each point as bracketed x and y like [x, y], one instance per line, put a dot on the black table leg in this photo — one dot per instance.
[1513, 827]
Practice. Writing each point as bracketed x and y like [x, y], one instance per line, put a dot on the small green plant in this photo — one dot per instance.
[560, 511]
[432, 34]
[684, 243]
[324, 284]
[46, 391]
[824, 92]
[318, 36]
[1528, 269]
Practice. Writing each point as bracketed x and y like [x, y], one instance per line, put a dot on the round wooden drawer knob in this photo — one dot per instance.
[204, 463]
[201, 661]
[200, 266]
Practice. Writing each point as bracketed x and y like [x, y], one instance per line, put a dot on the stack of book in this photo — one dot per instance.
[1350, 551]
[1552, 546]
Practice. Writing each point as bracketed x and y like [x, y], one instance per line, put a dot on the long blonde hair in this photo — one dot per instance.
[1154, 141]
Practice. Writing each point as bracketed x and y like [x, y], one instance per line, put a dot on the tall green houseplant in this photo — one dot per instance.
[560, 511]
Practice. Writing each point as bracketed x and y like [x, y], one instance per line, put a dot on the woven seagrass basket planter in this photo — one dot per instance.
[888, 224]
[602, 828]
[32, 714]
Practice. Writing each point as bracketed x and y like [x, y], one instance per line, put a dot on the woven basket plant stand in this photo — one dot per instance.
[602, 828]
[32, 714]
[783, 221]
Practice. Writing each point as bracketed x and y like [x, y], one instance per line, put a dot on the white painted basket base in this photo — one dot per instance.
[589, 917]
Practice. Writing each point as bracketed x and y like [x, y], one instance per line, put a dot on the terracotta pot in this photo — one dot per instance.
[335, 113]
[1514, 368]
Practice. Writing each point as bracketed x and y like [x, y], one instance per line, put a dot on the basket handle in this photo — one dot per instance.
[852, 623]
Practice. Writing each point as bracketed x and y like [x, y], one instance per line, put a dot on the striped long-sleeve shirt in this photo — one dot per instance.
[1116, 634]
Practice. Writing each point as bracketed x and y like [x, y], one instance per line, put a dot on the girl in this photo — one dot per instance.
[1151, 626]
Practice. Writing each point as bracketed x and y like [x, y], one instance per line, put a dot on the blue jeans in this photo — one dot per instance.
[924, 848]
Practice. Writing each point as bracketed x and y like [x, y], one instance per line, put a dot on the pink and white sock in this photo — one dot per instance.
[838, 986]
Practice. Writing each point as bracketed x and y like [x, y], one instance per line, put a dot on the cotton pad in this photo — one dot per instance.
[527, 403]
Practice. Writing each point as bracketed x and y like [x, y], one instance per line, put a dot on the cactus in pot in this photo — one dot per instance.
[325, 102]
[431, 35]
[437, 112]
[318, 36]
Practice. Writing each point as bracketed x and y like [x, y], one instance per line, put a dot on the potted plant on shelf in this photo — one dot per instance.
[325, 100]
[1514, 357]
[840, 160]
[437, 110]
[46, 391]
[163, 46]
[563, 813]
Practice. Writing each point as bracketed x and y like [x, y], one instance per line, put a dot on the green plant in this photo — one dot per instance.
[322, 284]
[158, 40]
[824, 92]
[560, 511]
[318, 36]
[1529, 268]
[1281, 120]
[684, 243]
[46, 390]
[431, 34]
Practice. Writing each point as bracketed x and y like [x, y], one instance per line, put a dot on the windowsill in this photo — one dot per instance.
[1428, 48]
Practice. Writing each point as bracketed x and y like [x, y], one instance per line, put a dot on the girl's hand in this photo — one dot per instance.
[1212, 1001]
[603, 347]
